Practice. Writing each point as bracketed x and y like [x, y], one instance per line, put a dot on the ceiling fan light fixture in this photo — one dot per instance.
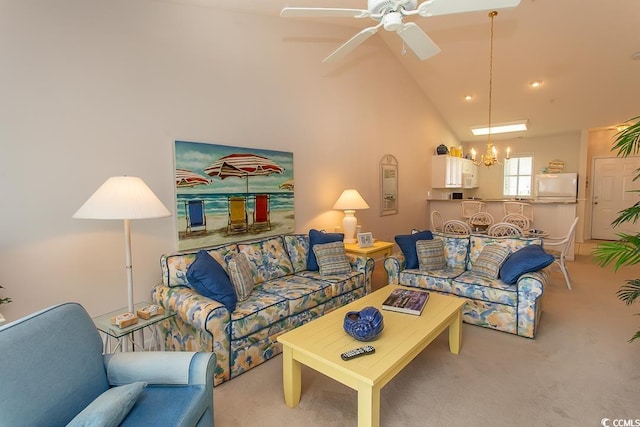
[392, 21]
[390, 14]
[506, 127]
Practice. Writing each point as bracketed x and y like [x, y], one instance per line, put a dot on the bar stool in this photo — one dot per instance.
[470, 207]
[521, 208]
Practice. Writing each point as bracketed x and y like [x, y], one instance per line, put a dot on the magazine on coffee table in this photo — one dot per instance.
[410, 301]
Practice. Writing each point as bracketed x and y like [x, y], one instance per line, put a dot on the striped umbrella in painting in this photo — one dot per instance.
[187, 178]
[242, 165]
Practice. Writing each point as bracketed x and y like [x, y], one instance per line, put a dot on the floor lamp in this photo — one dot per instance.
[124, 198]
[349, 201]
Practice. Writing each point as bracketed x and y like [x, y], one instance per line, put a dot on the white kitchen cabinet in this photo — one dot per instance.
[446, 172]
[469, 174]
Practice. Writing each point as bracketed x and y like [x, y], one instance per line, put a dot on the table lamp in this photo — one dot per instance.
[349, 201]
[125, 198]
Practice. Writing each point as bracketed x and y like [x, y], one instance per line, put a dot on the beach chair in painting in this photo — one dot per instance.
[195, 215]
[238, 220]
[261, 212]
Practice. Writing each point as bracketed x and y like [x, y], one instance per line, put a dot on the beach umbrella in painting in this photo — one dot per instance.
[287, 185]
[187, 178]
[242, 165]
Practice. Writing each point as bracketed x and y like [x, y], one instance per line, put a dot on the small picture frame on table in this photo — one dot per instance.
[365, 240]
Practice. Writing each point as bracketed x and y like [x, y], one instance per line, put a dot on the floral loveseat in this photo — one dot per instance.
[285, 295]
[491, 303]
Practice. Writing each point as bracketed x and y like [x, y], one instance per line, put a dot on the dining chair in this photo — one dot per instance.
[480, 220]
[560, 249]
[469, 207]
[436, 220]
[517, 219]
[504, 229]
[455, 226]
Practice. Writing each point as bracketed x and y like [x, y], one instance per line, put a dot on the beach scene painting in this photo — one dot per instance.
[229, 194]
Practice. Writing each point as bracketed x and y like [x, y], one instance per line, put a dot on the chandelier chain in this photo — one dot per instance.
[491, 156]
[491, 15]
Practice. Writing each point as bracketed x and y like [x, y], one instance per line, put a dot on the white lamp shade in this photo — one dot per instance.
[350, 199]
[123, 197]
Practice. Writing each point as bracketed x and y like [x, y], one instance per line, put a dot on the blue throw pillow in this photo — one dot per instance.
[407, 244]
[208, 277]
[317, 237]
[110, 408]
[525, 260]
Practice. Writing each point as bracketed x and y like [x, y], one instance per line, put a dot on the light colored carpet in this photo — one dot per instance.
[578, 370]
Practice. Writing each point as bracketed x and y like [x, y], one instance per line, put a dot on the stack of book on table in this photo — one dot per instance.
[410, 301]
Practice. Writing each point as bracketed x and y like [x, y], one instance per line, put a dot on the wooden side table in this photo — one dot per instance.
[379, 249]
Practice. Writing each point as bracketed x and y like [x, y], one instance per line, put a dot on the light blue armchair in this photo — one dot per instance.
[52, 370]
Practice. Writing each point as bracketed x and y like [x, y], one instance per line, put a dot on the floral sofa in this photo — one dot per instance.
[491, 303]
[285, 295]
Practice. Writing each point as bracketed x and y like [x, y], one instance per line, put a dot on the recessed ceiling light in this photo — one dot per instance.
[536, 83]
[468, 98]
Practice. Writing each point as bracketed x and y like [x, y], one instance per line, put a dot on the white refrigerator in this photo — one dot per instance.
[556, 187]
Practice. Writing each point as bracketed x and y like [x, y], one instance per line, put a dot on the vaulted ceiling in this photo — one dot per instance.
[585, 52]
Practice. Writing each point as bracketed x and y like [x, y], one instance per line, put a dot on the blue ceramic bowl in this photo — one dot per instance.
[364, 325]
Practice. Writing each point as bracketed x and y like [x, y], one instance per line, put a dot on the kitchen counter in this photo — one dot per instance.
[555, 218]
[532, 201]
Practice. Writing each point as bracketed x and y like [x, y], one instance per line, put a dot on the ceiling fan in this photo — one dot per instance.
[389, 15]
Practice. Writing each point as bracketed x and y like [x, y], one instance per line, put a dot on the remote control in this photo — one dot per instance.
[357, 352]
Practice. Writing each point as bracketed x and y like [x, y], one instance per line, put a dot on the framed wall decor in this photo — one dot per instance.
[365, 240]
[228, 194]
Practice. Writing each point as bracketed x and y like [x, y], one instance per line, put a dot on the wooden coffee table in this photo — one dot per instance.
[319, 343]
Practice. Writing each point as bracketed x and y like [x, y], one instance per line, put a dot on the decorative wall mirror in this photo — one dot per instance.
[388, 185]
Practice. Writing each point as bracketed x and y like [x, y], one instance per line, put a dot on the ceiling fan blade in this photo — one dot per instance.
[449, 7]
[420, 43]
[323, 12]
[353, 43]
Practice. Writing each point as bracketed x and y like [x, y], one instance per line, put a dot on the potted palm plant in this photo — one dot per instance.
[625, 251]
[3, 301]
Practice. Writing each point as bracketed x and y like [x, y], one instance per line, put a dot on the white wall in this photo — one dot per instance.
[97, 88]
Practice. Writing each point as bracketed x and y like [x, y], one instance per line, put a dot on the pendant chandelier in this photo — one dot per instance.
[490, 158]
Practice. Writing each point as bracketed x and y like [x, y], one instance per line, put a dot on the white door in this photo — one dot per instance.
[612, 185]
